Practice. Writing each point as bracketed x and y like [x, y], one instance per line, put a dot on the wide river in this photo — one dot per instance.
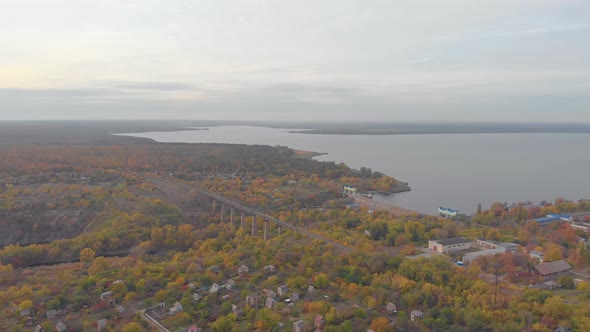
[452, 170]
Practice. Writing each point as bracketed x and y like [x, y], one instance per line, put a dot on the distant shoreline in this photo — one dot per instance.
[312, 128]
[450, 131]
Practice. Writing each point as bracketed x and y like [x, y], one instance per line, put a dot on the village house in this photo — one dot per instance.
[39, 328]
[534, 254]
[196, 297]
[101, 325]
[237, 311]
[319, 322]
[243, 269]
[295, 296]
[299, 326]
[282, 290]
[61, 327]
[416, 315]
[445, 246]
[214, 288]
[120, 309]
[25, 312]
[230, 284]
[269, 269]
[251, 300]
[269, 293]
[391, 308]
[311, 289]
[51, 314]
[106, 295]
[176, 308]
[269, 303]
[193, 328]
[553, 270]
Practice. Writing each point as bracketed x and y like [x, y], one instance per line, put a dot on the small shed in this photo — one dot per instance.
[101, 325]
[319, 322]
[243, 270]
[230, 284]
[299, 326]
[269, 303]
[391, 308]
[251, 300]
[282, 290]
[51, 314]
[214, 288]
[416, 315]
[61, 327]
[176, 308]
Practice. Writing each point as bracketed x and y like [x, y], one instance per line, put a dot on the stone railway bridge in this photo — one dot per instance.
[268, 220]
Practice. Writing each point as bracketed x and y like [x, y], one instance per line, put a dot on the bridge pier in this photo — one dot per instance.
[266, 218]
[231, 215]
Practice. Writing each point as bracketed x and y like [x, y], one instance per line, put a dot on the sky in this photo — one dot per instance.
[369, 60]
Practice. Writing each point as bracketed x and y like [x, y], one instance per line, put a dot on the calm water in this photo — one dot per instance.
[457, 171]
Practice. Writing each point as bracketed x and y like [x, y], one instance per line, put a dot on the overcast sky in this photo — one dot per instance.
[500, 60]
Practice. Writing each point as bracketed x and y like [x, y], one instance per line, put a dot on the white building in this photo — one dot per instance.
[453, 244]
[447, 213]
[470, 257]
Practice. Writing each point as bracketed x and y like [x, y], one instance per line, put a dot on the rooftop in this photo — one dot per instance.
[453, 240]
[553, 267]
[474, 255]
[546, 219]
[447, 209]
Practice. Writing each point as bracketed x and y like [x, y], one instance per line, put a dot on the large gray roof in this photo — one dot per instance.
[553, 267]
[453, 240]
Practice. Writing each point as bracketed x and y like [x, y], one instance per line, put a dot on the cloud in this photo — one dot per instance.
[151, 86]
[541, 30]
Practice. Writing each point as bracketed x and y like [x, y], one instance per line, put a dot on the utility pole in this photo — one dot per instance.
[496, 286]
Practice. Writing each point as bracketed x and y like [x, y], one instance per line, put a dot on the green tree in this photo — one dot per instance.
[157, 237]
[378, 230]
[414, 230]
[322, 281]
[223, 324]
[87, 255]
[133, 327]
[566, 282]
